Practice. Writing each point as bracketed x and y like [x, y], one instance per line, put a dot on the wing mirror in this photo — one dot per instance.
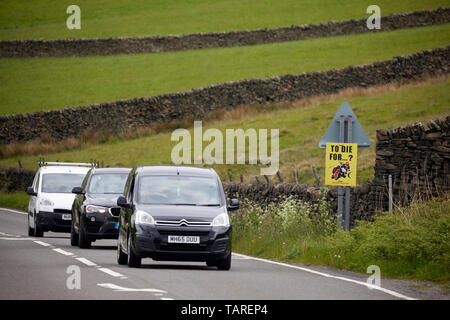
[30, 191]
[234, 205]
[77, 190]
[122, 202]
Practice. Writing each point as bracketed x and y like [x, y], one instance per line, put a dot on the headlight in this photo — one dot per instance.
[46, 202]
[221, 220]
[143, 217]
[97, 209]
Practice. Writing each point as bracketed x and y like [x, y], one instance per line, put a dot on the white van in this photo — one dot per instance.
[51, 197]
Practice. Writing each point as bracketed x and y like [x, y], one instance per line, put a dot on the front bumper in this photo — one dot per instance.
[152, 242]
[101, 226]
[53, 221]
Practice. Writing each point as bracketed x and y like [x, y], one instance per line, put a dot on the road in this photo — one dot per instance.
[37, 268]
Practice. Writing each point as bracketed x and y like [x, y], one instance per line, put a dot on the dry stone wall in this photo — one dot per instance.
[418, 159]
[15, 179]
[124, 115]
[149, 44]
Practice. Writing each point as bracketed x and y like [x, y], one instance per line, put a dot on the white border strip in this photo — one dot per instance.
[110, 272]
[392, 293]
[13, 211]
[66, 253]
[86, 262]
[45, 244]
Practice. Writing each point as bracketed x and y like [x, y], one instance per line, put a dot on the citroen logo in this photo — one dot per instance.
[183, 223]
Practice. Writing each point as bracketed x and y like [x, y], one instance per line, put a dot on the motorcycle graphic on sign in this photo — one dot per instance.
[341, 171]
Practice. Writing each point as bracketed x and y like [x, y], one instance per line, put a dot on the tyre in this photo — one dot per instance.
[73, 235]
[134, 261]
[38, 233]
[224, 264]
[30, 229]
[122, 258]
[83, 239]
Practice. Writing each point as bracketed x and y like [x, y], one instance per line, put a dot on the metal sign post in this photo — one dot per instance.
[347, 189]
[340, 190]
[345, 128]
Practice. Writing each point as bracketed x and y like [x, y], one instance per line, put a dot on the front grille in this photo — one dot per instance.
[183, 223]
[115, 211]
[62, 211]
[183, 247]
[61, 222]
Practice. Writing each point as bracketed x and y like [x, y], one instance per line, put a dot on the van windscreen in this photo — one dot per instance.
[61, 182]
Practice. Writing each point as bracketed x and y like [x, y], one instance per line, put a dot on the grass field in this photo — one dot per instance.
[52, 83]
[25, 19]
[301, 127]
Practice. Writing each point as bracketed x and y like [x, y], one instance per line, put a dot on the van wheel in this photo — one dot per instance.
[224, 264]
[134, 261]
[73, 235]
[38, 233]
[122, 258]
[83, 239]
[30, 229]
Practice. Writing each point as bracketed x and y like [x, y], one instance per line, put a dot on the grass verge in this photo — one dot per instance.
[30, 84]
[24, 19]
[410, 243]
[14, 200]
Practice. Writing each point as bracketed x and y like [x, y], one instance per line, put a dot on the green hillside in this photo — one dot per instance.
[32, 84]
[25, 19]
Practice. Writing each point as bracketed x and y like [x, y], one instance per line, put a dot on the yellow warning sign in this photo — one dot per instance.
[340, 164]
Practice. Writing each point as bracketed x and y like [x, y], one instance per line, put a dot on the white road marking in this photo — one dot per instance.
[110, 272]
[15, 238]
[9, 235]
[240, 256]
[166, 298]
[124, 289]
[86, 262]
[393, 293]
[45, 244]
[66, 253]
[13, 211]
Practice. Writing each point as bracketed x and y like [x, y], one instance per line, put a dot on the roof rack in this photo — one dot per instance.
[42, 162]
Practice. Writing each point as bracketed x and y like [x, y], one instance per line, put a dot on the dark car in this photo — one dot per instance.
[95, 214]
[173, 213]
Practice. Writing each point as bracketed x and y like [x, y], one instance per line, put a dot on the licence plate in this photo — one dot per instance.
[67, 216]
[183, 239]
